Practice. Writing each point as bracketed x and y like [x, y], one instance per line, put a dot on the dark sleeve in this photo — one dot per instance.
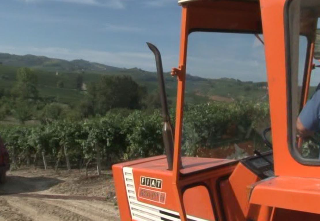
[309, 115]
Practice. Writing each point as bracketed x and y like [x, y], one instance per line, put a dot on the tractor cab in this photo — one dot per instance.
[262, 163]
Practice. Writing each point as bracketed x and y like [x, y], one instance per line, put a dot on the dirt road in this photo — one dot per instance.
[46, 195]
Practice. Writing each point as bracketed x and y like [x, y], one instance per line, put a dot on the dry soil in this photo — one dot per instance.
[31, 194]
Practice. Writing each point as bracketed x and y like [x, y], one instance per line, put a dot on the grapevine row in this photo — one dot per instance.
[120, 135]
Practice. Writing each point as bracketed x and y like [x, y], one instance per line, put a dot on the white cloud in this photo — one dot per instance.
[159, 3]
[122, 28]
[116, 4]
[143, 60]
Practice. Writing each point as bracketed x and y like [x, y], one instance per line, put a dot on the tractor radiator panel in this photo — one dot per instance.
[144, 212]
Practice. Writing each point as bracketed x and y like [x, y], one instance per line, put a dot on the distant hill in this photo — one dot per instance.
[50, 71]
[52, 64]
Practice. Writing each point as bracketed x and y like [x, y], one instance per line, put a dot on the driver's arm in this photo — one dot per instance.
[302, 131]
[308, 120]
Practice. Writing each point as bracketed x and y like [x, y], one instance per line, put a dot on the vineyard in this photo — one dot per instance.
[122, 135]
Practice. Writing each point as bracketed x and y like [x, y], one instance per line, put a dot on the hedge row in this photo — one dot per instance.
[120, 135]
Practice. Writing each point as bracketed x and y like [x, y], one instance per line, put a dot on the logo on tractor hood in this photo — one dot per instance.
[151, 182]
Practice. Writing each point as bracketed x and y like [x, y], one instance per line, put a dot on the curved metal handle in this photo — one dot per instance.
[264, 137]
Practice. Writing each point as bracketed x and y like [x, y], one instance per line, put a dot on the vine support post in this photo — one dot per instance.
[57, 164]
[87, 165]
[14, 158]
[67, 158]
[35, 160]
[98, 159]
[28, 157]
[44, 160]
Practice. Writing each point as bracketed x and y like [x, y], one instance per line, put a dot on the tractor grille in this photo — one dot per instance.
[145, 212]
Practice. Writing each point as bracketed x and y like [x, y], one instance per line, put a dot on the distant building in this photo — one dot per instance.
[84, 87]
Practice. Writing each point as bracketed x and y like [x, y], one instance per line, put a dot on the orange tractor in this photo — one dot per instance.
[282, 183]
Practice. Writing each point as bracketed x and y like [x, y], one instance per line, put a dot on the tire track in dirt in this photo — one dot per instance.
[9, 213]
[82, 210]
[18, 209]
[55, 196]
[33, 213]
[100, 208]
[60, 212]
[31, 195]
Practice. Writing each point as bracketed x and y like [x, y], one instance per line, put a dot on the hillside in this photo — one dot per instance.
[52, 64]
[50, 71]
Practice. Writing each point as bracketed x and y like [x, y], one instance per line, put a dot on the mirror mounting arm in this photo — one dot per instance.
[177, 72]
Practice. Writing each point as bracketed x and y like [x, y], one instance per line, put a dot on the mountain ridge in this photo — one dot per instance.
[53, 64]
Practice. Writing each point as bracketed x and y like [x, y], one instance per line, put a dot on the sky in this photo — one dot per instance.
[114, 32]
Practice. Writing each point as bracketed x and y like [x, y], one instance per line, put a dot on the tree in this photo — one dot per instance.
[60, 84]
[86, 107]
[5, 107]
[152, 101]
[115, 92]
[51, 112]
[23, 110]
[27, 83]
[79, 82]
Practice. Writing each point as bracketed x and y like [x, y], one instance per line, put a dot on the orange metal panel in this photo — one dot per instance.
[179, 112]
[241, 180]
[272, 12]
[231, 206]
[293, 193]
[264, 213]
[190, 164]
[273, 32]
[225, 15]
[228, 15]
[283, 214]
[197, 202]
[166, 189]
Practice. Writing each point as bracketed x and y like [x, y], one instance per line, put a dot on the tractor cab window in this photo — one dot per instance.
[302, 54]
[226, 101]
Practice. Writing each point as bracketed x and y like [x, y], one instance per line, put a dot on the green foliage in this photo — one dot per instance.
[310, 147]
[86, 108]
[114, 92]
[26, 86]
[60, 84]
[152, 101]
[122, 135]
[23, 110]
[52, 112]
[5, 107]
[50, 71]
[207, 125]
[143, 135]
[79, 82]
